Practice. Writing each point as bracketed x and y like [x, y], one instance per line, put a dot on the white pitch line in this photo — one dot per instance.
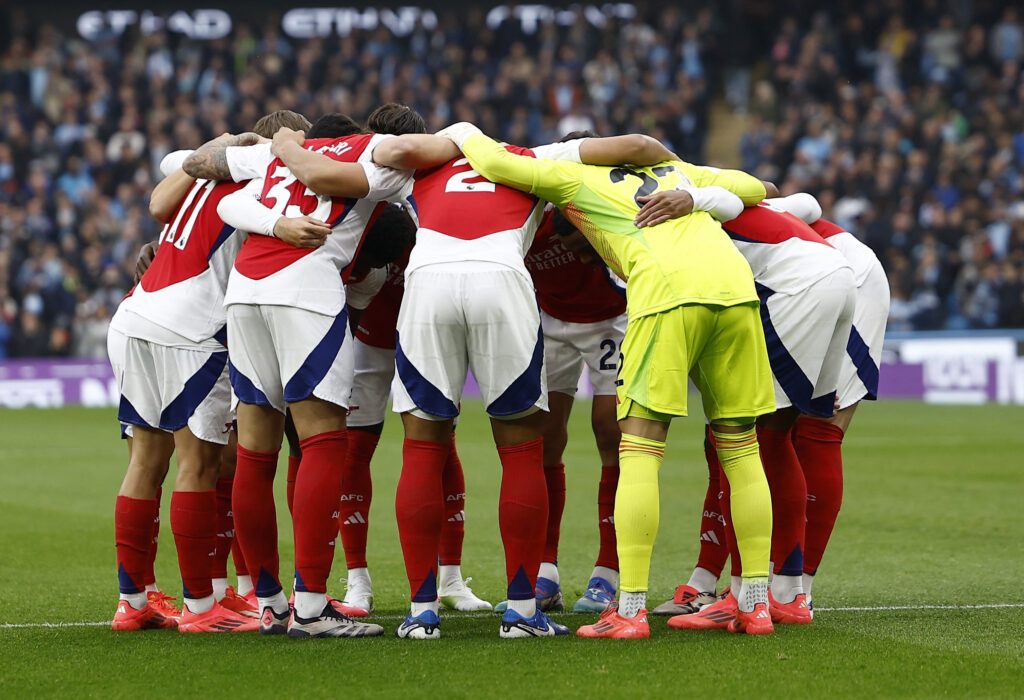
[455, 616]
[983, 606]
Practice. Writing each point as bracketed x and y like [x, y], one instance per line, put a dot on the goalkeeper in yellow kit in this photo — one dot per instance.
[693, 312]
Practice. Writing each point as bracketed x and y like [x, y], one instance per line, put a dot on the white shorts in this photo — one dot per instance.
[282, 354]
[858, 375]
[169, 387]
[458, 316]
[567, 345]
[371, 384]
[807, 334]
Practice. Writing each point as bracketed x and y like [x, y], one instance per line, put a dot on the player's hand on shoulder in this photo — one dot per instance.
[145, 259]
[284, 136]
[302, 231]
[459, 132]
[662, 206]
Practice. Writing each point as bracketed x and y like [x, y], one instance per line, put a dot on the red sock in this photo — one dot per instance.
[225, 529]
[725, 506]
[238, 558]
[194, 524]
[317, 494]
[789, 499]
[554, 477]
[453, 530]
[608, 555]
[149, 575]
[293, 473]
[252, 499]
[820, 447]
[356, 495]
[522, 515]
[419, 506]
[133, 538]
[714, 547]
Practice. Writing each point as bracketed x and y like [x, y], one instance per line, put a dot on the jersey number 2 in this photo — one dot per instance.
[457, 182]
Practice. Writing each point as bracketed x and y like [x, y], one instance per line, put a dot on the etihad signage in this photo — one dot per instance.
[307, 23]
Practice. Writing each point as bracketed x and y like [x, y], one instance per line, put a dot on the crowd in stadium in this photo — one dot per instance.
[908, 125]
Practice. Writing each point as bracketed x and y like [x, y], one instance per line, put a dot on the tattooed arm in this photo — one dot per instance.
[210, 160]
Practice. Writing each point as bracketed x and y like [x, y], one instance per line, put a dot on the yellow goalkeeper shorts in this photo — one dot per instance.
[721, 348]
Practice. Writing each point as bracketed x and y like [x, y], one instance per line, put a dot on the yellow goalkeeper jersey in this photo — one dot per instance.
[689, 260]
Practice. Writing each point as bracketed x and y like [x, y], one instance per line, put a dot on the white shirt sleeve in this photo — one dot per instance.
[717, 201]
[568, 150]
[360, 293]
[801, 205]
[242, 210]
[173, 160]
[384, 182]
[248, 162]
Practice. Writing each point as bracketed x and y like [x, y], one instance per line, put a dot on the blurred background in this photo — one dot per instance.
[905, 119]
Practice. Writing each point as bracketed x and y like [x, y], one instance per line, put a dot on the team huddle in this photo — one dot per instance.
[307, 273]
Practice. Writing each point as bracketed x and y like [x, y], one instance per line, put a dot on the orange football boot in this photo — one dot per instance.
[162, 603]
[716, 616]
[216, 619]
[239, 604]
[796, 613]
[612, 625]
[757, 621]
[128, 619]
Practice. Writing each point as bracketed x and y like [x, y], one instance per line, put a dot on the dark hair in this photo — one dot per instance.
[268, 124]
[395, 118]
[333, 126]
[583, 134]
[390, 235]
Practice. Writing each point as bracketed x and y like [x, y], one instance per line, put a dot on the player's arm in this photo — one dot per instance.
[747, 187]
[360, 293]
[555, 181]
[170, 191]
[415, 151]
[671, 204]
[167, 195]
[323, 175]
[241, 210]
[801, 205]
[636, 149]
[210, 160]
[145, 259]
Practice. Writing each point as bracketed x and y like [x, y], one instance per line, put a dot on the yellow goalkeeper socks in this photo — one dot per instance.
[751, 501]
[636, 509]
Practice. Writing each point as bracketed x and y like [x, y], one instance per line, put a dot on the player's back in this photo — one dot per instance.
[681, 261]
[378, 323]
[462, 216]
[785, 254]
[568, 289]
[860, 256]
[183, 289]
[271, 271]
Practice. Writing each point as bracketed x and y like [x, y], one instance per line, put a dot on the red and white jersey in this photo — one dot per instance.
[361, 290]
[860, 256]
[378, 323]
[183, 289]
[784, 253]
[464, 217]
[568, 289]
[270, 271]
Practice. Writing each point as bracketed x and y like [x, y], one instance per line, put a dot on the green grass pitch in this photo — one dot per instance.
[933, 517]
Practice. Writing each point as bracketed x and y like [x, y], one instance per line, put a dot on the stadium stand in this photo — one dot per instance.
[907, 123]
